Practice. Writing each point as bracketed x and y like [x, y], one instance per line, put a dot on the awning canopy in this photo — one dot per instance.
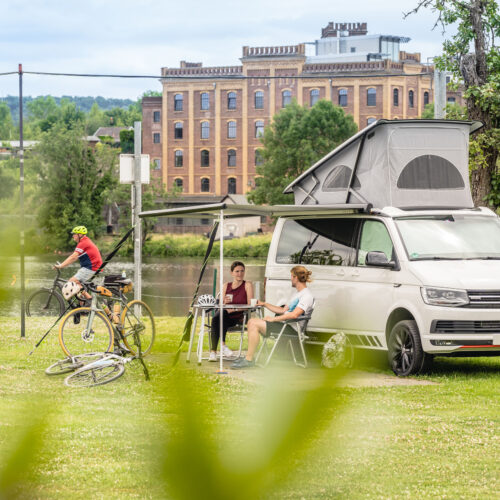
[213, 210]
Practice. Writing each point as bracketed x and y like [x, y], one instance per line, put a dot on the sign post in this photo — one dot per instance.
[134, 170]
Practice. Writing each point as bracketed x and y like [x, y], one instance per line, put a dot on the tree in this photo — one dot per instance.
[473, 57]
[297, 137]
[74, 183]
[6, 125]
[94, 119]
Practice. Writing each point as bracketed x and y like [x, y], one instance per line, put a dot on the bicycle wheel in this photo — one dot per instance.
[89, 376]
[45, 302]
[67, 365]
[138, 317]
[78, 336]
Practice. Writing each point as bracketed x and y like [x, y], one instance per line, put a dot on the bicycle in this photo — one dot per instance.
[107, 368]
[47, 301]
[97, 332]
[71, 364]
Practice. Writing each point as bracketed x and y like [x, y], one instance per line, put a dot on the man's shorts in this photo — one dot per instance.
[83, 275]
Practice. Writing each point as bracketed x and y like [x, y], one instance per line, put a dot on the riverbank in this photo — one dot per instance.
[172, 245]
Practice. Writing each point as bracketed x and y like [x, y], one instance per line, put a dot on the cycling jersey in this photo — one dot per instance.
[88, 254]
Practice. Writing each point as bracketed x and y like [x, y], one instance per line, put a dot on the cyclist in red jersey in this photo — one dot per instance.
[86, 252]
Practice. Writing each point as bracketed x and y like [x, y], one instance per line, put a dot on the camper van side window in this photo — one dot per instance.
[374, 237]
[326, 242]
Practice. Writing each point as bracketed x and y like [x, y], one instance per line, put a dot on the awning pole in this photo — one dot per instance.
[221, 287]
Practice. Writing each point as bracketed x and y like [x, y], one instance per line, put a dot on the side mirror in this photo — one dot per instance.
[379, 259]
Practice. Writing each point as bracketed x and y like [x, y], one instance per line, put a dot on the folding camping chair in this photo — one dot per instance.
[292, 330]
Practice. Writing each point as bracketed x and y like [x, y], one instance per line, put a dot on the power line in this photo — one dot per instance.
[215, 76]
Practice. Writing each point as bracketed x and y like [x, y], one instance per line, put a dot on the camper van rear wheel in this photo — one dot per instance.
[406, 355]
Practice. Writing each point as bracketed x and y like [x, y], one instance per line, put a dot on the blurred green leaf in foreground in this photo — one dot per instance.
[203, 458]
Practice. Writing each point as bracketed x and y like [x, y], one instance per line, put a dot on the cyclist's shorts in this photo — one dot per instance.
[83, 275]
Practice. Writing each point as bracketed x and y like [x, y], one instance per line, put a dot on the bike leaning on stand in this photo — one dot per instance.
[108, 321]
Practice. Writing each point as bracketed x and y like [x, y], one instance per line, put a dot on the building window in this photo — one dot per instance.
[259, 99]
[178, 127]
[259, 160]
[178, 102]
[370, 120]
[231, 157]
[205, 158]
[231, 100]
[231, 185]
[286, 98]
[353, 49]
[205, 101]
[231, 130]
[343, 97]
[156, 138]
[395, 97]
[179, 221]
[314, 96]
[451, 100]
[426, 98]
[259, 128]
[178, 183]
[179, 158]
[205, 130]
[410, 99]
[156, 116]
[156, 164]
[205, 185]
[371, 97]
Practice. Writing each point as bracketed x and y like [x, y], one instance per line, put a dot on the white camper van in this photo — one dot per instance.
[401, 259]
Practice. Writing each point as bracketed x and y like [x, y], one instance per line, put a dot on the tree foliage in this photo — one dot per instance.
[473, 57]
[74, 183]
[297, 137]
[7, 131]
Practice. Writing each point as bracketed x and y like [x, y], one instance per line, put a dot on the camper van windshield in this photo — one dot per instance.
[451, 237]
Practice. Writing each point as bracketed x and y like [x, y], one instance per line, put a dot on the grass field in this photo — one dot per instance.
[193, 434]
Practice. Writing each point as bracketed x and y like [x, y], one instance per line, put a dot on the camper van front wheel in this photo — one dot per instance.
[406, 355]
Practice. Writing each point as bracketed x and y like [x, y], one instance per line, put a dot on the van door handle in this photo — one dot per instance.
[340, 272]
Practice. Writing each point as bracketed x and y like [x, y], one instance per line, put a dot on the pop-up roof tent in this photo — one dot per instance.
[398, 163]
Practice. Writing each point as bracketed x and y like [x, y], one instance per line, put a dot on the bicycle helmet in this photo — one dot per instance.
[70, 289]
[206, 300]
[79, 230]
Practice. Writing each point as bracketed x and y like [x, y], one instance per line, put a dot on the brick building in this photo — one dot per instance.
[203, 133]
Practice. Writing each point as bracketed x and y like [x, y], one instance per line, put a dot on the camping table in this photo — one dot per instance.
[207, 309]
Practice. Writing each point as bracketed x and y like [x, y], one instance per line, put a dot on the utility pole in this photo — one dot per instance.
[137, 208]
[21, 199]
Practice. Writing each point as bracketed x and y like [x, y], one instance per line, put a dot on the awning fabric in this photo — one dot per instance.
[212, 210]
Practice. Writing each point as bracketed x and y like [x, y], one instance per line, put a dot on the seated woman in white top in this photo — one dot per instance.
[301, 303]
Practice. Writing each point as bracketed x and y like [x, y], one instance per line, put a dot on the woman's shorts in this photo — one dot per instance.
[83, 275]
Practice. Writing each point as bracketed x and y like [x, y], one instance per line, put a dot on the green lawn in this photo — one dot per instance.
[189, 433]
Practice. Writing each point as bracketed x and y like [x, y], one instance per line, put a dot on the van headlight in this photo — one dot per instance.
[444, 297]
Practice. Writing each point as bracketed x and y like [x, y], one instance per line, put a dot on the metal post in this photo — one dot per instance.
[21, 198]
[137, 209]
[221, 286]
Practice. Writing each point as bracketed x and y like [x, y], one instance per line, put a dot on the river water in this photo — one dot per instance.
[168, 284]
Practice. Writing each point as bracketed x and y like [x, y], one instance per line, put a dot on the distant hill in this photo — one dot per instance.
[83, 103]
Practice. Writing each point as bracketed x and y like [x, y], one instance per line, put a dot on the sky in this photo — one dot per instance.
[139, 38]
